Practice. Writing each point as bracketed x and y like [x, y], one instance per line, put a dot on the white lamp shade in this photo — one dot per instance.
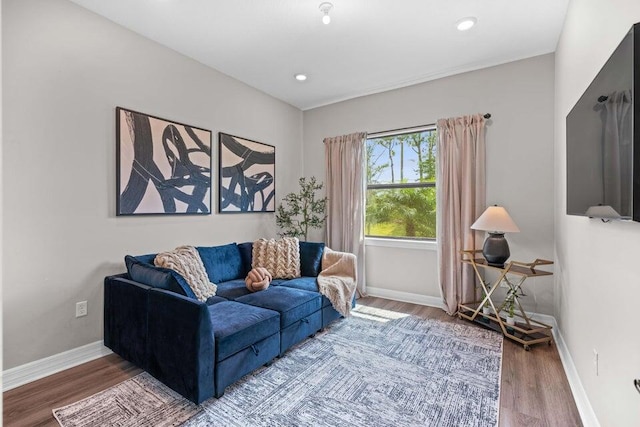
[495, 219]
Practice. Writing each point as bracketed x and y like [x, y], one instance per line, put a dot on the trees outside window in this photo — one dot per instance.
[401, 185]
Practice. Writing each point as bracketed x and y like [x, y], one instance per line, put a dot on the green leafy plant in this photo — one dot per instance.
[484, 295]
[510, 301]
[511, 306]
[302, 211]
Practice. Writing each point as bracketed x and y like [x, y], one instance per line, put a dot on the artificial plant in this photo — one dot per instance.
[513, 294]
[299, 212]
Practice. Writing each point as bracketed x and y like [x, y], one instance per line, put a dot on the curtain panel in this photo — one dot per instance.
[461, 198]
[345, 168]
[617, 151]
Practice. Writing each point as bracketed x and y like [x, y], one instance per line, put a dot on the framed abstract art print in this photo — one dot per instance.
[247, 175]
[162, 167]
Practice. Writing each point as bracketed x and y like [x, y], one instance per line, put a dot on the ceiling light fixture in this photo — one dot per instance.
[466, 23]
[325, 7]
[300, 77]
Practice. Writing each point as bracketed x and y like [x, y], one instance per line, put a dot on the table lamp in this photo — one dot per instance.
[496, 221]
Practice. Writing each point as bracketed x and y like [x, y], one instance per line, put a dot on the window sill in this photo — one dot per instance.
[424, 245]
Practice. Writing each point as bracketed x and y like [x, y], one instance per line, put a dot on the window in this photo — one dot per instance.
[401, 184]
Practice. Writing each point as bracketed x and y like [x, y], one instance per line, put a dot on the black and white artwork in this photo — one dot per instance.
[247, 175]
[162, 167]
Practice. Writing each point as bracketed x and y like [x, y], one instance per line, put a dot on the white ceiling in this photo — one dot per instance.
[370, 46]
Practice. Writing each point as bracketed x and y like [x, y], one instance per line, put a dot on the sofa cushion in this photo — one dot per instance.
[237, 326]
[311, 258]
[215, 300]
[292, 304]
[232, 289]
[142, 270]
[222, 262]
[306, 284]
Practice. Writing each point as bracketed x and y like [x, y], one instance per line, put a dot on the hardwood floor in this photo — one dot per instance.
[31, 404]
[534, 389]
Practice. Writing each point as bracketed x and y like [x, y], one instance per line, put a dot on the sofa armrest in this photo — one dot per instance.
[338, 262]
[180, 344]
[343, 265]
[125, 318]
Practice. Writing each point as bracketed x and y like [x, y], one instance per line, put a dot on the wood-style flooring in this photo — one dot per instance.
[534, 389]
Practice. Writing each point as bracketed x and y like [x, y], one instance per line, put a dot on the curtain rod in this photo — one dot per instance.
[391, 131]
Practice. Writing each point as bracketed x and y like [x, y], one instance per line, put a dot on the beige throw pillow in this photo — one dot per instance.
[280, 257]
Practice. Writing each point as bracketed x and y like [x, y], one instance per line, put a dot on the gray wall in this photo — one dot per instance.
[64, 72]
[519, 95]
[598, 280]
[1, 203]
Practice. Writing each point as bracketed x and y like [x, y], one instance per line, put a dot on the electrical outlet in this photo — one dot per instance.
[595, 361]
[81, 308]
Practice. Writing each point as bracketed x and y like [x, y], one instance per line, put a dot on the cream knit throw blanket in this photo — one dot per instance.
[337, 280]
[186, 261]
[280, 257]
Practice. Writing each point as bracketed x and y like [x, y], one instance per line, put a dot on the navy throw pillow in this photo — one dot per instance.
[223, 263]
[311, 258]
[246, 254]
[142, 270]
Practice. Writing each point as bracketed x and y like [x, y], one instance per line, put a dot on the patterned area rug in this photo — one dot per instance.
[377, 368]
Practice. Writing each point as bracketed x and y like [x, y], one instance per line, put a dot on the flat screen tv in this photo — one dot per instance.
[603, 139]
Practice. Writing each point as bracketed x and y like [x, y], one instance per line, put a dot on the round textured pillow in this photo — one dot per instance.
[258, 279]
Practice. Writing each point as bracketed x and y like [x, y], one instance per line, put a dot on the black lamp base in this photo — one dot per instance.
[496, 250]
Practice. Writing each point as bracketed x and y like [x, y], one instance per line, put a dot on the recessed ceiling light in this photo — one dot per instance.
[466, 23]
[300, 77]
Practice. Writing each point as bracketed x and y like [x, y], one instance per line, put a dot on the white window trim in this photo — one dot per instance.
[424, 245]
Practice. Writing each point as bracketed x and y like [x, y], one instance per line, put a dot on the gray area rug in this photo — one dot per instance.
[377, 368]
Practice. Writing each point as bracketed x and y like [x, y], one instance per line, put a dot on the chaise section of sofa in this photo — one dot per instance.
[153, 319]
[180, 344]
[126, 304]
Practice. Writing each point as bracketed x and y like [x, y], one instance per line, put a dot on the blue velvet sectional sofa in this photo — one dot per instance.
[153, 319]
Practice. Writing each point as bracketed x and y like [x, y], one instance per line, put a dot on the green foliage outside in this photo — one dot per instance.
[302, 211]
[402, 212]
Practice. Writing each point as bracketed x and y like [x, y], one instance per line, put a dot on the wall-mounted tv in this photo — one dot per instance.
[603, 139]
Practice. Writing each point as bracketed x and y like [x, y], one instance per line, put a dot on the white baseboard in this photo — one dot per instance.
[23, 374]
[585, 409]
[406, 297]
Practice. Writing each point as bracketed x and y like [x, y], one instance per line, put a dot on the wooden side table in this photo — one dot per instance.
[526, 331]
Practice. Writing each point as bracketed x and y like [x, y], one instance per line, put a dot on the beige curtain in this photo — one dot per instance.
[345, 165]
[460, 201]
